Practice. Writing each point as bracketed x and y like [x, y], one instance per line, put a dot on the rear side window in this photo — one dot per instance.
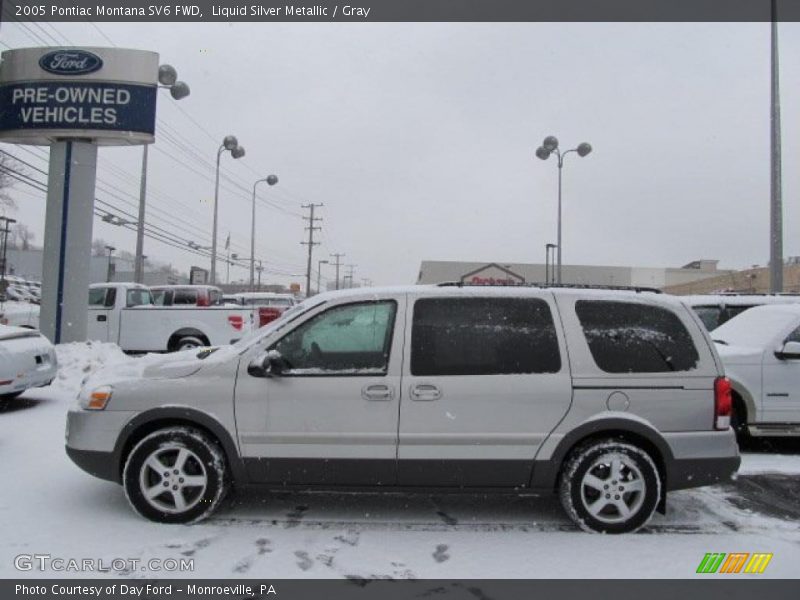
[97, 297]
[483, 336]
[628, 337]
[138, 297]
[185, 297]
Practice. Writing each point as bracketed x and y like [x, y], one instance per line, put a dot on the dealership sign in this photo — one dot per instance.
[70, 62]
[106, 95]
[492, 274]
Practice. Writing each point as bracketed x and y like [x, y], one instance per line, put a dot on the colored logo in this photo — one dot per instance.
[735, 562]
[70, 62]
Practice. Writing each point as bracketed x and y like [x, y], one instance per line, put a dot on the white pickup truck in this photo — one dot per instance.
[123, 313]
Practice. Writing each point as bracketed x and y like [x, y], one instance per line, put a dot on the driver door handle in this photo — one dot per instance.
[377, 392]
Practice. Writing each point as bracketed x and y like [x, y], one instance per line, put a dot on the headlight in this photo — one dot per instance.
[98, 398]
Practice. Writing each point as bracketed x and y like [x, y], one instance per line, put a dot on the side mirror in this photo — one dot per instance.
[789, 351]
[269, 364]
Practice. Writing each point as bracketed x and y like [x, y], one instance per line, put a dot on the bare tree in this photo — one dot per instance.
[7, 167]
[99, 247]
[21, 237]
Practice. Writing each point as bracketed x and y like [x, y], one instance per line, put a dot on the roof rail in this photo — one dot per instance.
[572, 286]
[749, 294]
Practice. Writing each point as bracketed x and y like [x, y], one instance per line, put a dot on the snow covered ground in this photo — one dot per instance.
[49, 506]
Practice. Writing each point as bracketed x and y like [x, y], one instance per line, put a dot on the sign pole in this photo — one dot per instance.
[68, 240]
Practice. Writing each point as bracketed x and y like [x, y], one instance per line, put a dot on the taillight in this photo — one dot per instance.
[267, 314]
[723, 403]
[236, 321]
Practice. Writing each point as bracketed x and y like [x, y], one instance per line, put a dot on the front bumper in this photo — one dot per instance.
[99, 464]
[91, 437]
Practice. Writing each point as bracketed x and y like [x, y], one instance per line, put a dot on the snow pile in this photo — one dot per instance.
[78, 360]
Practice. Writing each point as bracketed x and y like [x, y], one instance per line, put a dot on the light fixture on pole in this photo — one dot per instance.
[550, 146]
[319, 272]
[229, 144]
[270, 180]
[168, 78]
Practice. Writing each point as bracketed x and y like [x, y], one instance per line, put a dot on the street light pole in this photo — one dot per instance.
[271, 180]
[231, 144]
[776, 201]
[548, 147]
[108, 270]
[548, 262]
[167, 77]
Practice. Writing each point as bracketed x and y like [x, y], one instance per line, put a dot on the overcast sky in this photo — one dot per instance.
[420, 139]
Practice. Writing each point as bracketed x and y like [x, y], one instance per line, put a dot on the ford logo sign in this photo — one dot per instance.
[70, 62]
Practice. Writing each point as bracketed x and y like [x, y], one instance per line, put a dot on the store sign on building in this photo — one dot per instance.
[492, 274]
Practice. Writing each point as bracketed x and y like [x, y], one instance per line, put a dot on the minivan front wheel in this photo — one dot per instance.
[175, 475]
[610, 486]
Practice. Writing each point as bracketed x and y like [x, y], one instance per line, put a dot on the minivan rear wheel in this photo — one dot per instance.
[175, 475]
[610, 486]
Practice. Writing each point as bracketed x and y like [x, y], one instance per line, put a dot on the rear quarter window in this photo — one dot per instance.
[630, 337]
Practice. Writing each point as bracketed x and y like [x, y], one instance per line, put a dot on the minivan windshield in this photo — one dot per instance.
[287, 317]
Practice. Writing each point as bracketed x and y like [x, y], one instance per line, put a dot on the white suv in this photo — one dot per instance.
[760, 349]
[607, 398]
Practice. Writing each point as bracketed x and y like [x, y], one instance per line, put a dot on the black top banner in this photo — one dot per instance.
[402, 11]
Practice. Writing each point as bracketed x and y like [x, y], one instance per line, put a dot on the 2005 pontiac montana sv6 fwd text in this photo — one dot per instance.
[607, 398]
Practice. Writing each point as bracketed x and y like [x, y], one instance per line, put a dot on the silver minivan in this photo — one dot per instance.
[607, 398]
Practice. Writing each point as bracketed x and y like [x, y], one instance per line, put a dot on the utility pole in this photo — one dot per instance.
[259, 268]
[338, 264]
[5, 230]
[776, 202]
[350, 275]
[310, 243]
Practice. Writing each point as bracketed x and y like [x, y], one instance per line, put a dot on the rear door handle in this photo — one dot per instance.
[425, 392]
[377, 392]
[101, 318]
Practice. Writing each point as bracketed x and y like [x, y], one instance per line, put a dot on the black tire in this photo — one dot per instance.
[203, 459]
[188, 342]
[739, 421]
[595, 461]
[9, 397]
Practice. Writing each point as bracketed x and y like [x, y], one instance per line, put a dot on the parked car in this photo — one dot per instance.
[27, 359]
[271, 305]
[186, 295]
[609, 399]
[760, 350]
[283, 301]
[716, 309]
[19, 314]
[124, 313]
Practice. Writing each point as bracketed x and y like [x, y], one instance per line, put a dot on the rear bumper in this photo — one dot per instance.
[99, 464]
[696, 472]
